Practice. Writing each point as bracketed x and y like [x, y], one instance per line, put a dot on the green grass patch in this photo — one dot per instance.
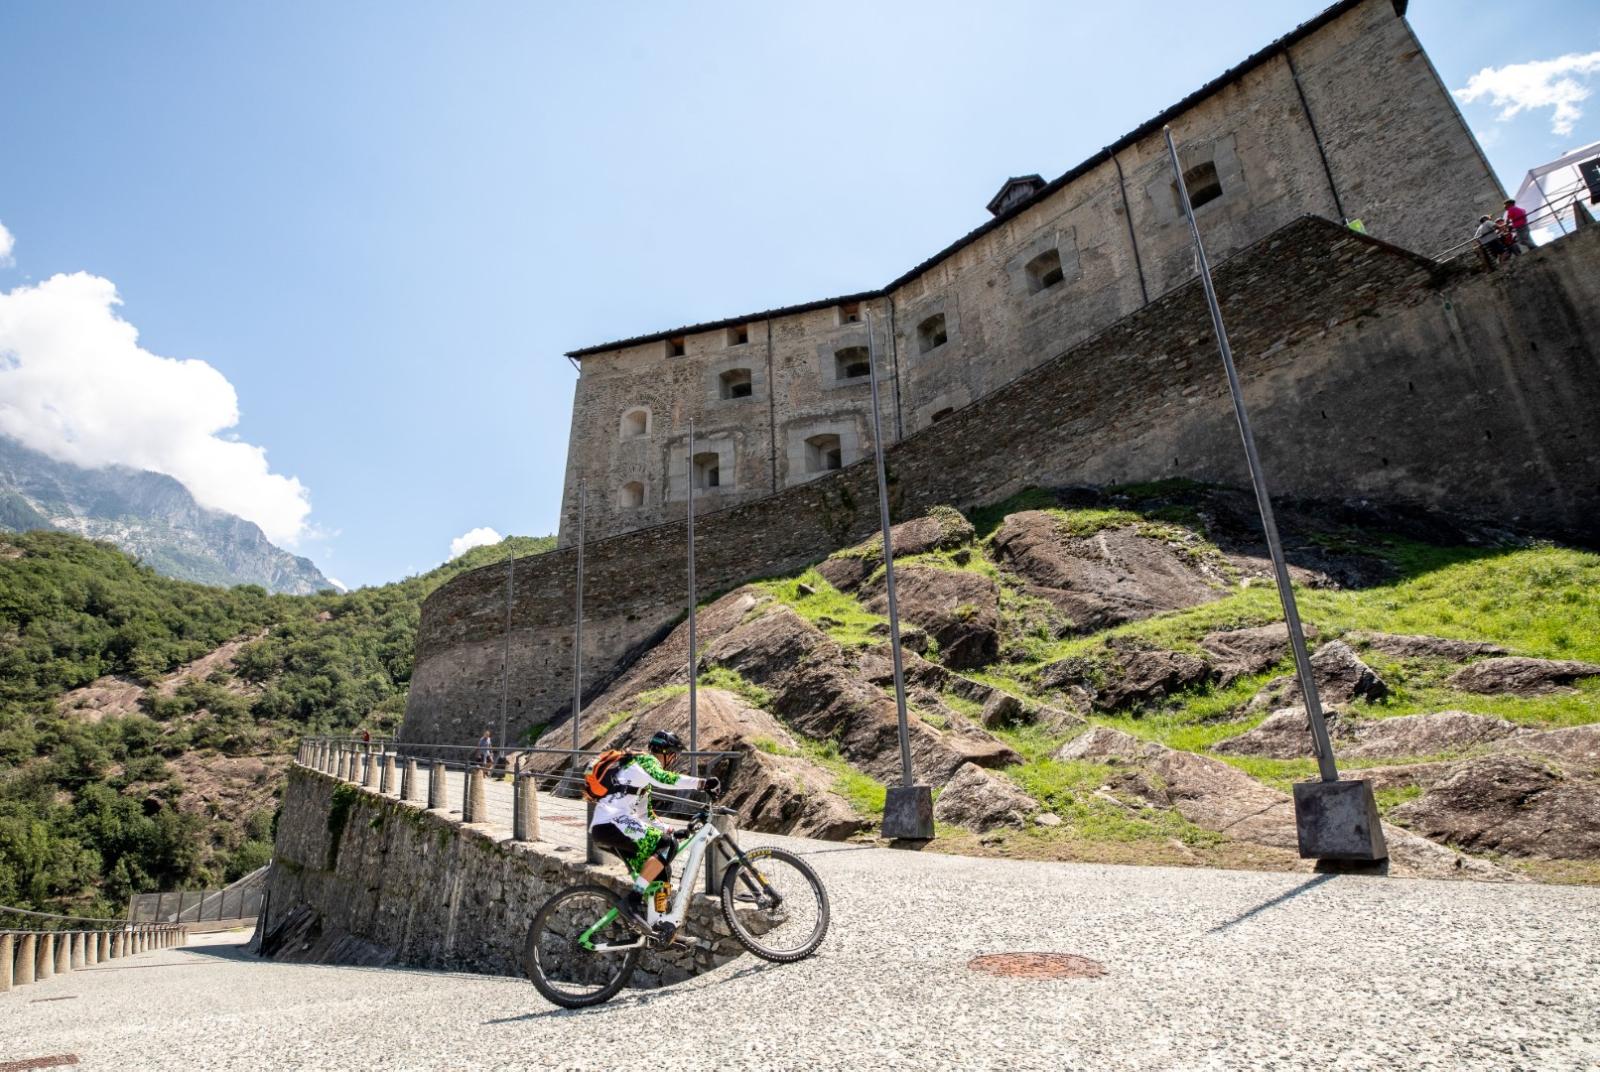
[730, 680]
[772, 747]
[1068, 788]
[1389, 799]
[861, 791]
[839, 615]
[962, 706]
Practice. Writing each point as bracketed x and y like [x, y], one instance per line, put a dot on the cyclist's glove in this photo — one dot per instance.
[713, 787]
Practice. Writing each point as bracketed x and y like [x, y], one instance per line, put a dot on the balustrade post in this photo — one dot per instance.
[525, 808]
[367, 765]
[25, 958]
[8, 953]
[339, 762]
[408, 780]
[44, 961]
[436, 786]
[472, 808]
[386, 778]
[63, 953]
[119, 945]
[76, 961]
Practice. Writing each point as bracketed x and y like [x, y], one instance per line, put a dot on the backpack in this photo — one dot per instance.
[600, 779]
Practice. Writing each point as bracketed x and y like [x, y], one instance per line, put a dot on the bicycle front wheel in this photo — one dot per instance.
[579, 952]
[775, 905]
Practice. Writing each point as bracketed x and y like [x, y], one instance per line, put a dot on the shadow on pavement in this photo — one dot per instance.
[1288, 895]
[631, 999]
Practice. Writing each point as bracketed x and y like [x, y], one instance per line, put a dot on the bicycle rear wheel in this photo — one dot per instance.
[578, 951]
[775, 905]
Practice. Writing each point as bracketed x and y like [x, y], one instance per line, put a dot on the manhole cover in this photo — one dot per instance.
[1037, 965]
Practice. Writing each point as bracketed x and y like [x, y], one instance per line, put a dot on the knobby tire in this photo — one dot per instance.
[533, 952]
[741, 892]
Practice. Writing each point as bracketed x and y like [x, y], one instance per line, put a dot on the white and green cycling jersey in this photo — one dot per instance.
[627, 805]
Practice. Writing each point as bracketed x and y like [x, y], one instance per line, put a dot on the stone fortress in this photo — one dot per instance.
[1343, 118]
[1064, 342]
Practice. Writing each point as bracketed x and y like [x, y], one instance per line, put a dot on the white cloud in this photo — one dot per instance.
[476, 538]
[337, 583]
[1556, 84]
[76, 385]
[7, 244]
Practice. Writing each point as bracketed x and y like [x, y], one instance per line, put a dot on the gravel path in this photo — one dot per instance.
[1206, 970]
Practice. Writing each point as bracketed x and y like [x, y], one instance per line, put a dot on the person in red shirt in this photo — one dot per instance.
[1517, 220]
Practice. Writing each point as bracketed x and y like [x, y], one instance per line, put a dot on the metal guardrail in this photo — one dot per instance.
[1556, 204]
[240, 900]
[417, 772]
[44, 944]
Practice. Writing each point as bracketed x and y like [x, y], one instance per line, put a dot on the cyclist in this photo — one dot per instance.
[625, 823]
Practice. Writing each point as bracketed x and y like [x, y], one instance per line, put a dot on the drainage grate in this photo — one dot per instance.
[1037, 965]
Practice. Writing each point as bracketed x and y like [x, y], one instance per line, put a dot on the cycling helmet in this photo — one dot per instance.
[665, 741]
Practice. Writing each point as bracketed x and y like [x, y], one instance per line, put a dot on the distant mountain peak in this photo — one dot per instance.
[149, 515]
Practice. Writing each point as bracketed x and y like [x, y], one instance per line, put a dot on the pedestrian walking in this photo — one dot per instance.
[1517, 220]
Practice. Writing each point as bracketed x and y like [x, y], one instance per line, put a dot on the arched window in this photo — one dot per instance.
[635, 423]
[735, 383]
[851, 363]
[1044, 271]
[931, 333]
[823, 453]
[630, 495]
[1203, 183]
[707, 470]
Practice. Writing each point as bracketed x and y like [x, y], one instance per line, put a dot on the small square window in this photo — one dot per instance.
[852, 363]
[1044, 271]
[1203, 184]
[707, 470]
[931, 333]
[739, 336]
[823, 454]
[735, 383]
[676, 347]
[850, 313]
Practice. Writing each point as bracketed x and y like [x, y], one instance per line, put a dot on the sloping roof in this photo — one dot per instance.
[1226, 78]
[1016, 180]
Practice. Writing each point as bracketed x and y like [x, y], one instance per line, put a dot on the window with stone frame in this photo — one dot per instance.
[1203, 184]
[738, 336]
[931, 333]
[850, 313]
[1044, 271]
[677, 347]
[824, 454]
[735, 383]
[631, 495]
[635, 423]
[707, 470]
[852, 363]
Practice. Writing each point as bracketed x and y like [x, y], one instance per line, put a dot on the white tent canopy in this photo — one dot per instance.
[1546, 195]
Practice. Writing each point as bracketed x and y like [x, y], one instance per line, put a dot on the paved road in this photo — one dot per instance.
[1206, 970]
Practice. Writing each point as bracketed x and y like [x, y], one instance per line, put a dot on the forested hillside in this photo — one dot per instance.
[120, 770]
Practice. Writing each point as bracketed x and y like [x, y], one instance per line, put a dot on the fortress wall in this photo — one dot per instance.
[1366, 371]
[1400, 156]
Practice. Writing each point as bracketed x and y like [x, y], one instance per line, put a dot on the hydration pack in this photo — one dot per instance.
[600, 780]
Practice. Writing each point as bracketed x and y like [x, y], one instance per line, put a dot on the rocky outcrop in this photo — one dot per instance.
[1114, 576]
[980, 800]
[1124, 677]
[958, 608]
[1520, 676]
[1236, 652]
[1410, 646]
[1340, 676]
[1213, 795]
[1512, 805]
[941, 529]
[1286, 734]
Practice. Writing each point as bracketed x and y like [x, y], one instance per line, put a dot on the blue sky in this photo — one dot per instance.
[383, 223]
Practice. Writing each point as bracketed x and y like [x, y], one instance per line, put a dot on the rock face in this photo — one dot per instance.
[959, 609]
[1236, 652]
[1125, 678]
[1513, 805]
[1522, 677]
[1409, 646]
[981, 801]
[1286, 734]
[1340, 675]
[1111, 577]
[941, 529]
[1213, 795]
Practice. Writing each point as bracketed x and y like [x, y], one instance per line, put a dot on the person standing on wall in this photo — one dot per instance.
[1517, 220]
[484, 756]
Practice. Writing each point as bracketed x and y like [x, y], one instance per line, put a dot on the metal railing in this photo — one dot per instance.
[1557, 203]
[239, 901]
[37, 945]
[418, 773]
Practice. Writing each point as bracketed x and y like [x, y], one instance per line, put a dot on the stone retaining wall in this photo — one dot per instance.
[1370, 373]
[360, 878]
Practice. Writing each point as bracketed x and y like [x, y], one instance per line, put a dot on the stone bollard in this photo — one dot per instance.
[322, 756]
[44, 960]
[367, 764]
[119, 945]
[408, 780]
[472, 808]
[25, 958]
[105, 946]
[436, 786]
[386, 777]
[91, 949]
[8, 953]
[63, 953]
[338, 763]
[75, 957]
[525, 808]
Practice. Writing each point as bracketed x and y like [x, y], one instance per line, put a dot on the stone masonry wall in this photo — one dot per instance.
[1369, 373]
[1399, 156]
[358, 877]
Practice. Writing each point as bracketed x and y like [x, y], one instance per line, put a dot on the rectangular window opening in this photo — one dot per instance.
[676, 347]
[1203, 184]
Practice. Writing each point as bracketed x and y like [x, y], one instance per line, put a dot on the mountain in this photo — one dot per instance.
[149, 515]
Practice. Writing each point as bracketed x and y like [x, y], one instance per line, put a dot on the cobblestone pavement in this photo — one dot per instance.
[1205, 970]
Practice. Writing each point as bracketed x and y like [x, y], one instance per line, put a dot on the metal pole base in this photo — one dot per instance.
[1338, 821]
[908, 813]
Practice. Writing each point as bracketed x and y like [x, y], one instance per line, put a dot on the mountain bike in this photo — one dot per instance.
[579, 952]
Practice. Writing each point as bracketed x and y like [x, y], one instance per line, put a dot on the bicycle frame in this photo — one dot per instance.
[692, 855]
